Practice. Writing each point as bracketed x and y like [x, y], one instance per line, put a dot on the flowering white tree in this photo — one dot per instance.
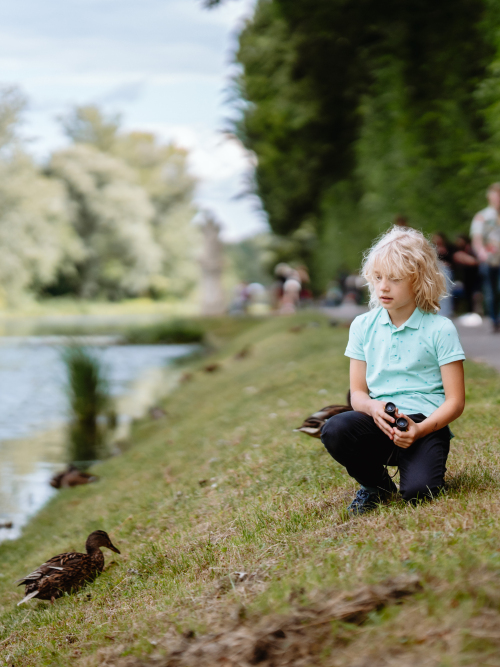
[109, 217]
[112, 215]
[162, 171]
[36, 239]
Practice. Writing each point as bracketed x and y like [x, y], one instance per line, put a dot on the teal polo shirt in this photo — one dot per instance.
[403, 363]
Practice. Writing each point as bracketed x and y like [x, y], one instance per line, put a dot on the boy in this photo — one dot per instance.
[403, 352]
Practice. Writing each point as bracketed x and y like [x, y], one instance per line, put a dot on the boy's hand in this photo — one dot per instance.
[404, 439]
[381, 418]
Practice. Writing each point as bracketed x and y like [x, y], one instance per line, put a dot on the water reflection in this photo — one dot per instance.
[34, 410]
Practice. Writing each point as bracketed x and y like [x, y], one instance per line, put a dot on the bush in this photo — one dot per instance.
[89, 399]
[175, 331]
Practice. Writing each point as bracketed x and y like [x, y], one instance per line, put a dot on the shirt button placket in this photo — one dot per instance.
[394, 349]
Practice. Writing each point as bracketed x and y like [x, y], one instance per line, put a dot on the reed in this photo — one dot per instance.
[169, 332]
[90, 404]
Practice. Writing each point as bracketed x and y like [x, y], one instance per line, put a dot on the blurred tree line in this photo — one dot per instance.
[107, 217]
[361, 111]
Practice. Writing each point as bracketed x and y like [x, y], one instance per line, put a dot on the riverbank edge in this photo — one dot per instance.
[224, 486]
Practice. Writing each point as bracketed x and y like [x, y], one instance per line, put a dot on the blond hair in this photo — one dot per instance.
[402, 253]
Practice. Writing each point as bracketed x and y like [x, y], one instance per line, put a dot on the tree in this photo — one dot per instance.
[12, 105]
[35, 236]
[358, 111]
[162, 171]
[112, 215]
[88, 125]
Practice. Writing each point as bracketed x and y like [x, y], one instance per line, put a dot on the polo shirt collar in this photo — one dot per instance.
[413, 322]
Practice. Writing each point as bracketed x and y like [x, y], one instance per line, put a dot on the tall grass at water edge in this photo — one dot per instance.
[168, 332]
[90, 404]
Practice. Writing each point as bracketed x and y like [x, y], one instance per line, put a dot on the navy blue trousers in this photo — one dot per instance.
[357, 443]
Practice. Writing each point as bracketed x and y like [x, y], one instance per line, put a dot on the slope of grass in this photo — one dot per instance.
[223, 486]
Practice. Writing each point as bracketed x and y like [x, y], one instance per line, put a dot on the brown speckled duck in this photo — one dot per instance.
[67, 572]
[313, 424]
[72, 477]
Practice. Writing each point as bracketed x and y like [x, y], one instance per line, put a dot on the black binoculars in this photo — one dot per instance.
[401, 423]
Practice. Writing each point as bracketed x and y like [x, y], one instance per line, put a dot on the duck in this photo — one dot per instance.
[72, 477]
[244, 352]
[312, 425]
[67, 572]
[212, 368]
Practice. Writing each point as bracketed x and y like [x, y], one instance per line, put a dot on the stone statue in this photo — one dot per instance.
[212, 264]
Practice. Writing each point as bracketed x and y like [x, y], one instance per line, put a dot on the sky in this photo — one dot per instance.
[165, 65]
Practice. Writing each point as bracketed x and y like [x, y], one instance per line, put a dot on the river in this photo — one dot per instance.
[34, 410]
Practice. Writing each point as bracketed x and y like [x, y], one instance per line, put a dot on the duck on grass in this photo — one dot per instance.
[67, 572]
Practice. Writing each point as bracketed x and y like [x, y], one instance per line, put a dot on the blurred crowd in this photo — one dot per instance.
[289, 290]
[471, 264]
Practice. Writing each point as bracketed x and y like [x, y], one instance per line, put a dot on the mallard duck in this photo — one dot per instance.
[211, 368]
[72, 477]
[297, 328]
[313, 424]
[67, 572]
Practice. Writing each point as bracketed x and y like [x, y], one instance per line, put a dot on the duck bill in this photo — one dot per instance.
[113, 548]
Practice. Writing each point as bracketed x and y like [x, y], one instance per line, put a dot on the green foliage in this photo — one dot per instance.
[157, 197]
[90, 403]
[36, 238]
[111, 213]
[163, 173]
[174, 331]
[88, 125]
[361, 111]
[12, 105]
[252, 260]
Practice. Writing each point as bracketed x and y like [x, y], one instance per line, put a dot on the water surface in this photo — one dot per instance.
[34, 410]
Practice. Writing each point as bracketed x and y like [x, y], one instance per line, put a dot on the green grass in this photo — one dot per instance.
[168, 332]
[223, 485]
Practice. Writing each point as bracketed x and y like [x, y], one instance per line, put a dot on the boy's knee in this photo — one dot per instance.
[419, 493]
[334, 433]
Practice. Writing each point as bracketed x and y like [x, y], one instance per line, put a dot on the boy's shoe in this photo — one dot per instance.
[367, 499]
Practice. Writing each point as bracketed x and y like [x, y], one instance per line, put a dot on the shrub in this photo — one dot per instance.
[90, 404]
[170, 332]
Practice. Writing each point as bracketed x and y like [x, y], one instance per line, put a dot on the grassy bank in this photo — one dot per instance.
[222, 486]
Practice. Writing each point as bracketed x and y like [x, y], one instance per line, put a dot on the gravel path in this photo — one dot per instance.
[480, 344]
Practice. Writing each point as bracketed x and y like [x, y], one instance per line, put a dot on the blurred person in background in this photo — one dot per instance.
[258, 303]
[291, 294]
[281, 271]
[485, 233]
[354, 289]
[334, 294]
[466, 275]
[445, 253]
[241, 297]
[304, 279]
